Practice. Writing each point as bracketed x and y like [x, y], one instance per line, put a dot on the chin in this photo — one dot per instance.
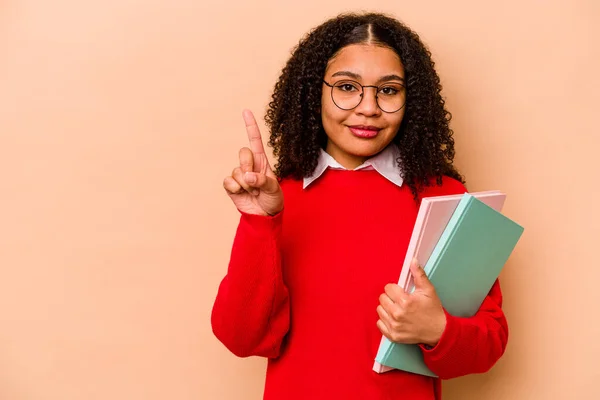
[367, 149]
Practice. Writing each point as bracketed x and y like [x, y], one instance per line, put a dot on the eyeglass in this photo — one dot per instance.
[348, 94]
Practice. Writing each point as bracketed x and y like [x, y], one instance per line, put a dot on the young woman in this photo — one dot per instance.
[360, 134]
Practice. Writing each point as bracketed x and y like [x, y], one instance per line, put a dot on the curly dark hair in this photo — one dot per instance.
[293, 115]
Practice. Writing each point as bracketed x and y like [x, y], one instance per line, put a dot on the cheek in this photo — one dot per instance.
[329, 124]
[397, 121]
[330, 114]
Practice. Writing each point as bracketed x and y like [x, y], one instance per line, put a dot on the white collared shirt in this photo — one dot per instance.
[385, 163]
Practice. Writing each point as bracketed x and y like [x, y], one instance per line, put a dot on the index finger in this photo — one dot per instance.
[254, 137]
[394, 292]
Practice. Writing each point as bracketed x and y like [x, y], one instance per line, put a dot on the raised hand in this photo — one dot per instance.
[252, 186]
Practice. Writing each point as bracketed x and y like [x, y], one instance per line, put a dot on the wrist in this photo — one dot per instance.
[437, 330]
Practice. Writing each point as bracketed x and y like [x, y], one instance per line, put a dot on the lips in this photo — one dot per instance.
[364, 131]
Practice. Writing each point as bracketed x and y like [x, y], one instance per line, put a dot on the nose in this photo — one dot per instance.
[368, 104]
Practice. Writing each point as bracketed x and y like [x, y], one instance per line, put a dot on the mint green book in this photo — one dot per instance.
[463, 266]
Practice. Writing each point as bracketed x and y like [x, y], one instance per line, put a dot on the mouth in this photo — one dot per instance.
[364, 131]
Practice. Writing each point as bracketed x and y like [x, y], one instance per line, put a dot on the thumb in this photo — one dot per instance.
[266, 184]
[419, 276]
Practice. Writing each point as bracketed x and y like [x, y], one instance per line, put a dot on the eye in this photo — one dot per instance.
[347, 87]
[389, 90]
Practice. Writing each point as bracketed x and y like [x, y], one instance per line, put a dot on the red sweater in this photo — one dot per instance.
[302, 289]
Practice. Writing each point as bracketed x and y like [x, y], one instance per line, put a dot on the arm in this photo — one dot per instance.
[250, 315]
[470, 345]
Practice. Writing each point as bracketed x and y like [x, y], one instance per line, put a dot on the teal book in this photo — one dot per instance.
[463, 266]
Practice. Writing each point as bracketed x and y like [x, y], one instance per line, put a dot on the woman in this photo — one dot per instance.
[360, 133]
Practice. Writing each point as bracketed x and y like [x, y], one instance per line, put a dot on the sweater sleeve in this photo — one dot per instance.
[473, 344]
[251, 315]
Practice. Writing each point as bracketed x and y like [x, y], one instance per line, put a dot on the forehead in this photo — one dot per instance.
[369, 61]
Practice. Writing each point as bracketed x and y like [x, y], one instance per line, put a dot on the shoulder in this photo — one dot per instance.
[448, 186]
[290, 186]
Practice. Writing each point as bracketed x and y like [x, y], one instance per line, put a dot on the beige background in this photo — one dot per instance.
[120, 118]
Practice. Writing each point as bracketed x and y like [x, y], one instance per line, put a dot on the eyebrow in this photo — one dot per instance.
[390, 77]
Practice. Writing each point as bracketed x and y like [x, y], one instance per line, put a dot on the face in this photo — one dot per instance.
[357, 134]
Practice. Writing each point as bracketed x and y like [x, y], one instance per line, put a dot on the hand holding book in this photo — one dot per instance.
[412, 318]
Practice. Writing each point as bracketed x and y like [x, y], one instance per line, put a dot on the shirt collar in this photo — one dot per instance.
[385, 163]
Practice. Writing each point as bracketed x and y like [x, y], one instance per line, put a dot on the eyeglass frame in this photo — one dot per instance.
[362, 97]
